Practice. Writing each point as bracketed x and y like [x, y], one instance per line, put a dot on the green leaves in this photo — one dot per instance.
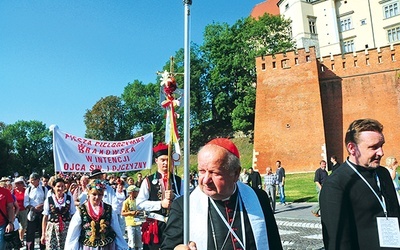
[107, 120]
[26, 147]
[143, 109]
[230, 52]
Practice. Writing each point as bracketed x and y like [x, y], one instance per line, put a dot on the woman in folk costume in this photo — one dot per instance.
[58, 209]
[95, 226]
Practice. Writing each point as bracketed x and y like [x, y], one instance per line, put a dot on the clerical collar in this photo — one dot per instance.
[361, 168]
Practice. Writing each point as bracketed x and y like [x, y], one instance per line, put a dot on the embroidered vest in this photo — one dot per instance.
[96, 233]
[155, 193]
[56, 212]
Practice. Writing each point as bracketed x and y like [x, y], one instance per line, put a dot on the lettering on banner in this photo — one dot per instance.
[79, 154]
[127, 167]
[87, 150]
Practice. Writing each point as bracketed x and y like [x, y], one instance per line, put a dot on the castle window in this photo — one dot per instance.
[296, 61]
[379, 59]
[391, 10]
[346, 24]
[344, 65]
[308, 59]
[363, 22]
[393, 58]
[367, 61]
[332, 66]
[393, 34]
[348, 46]
[311, 23]
[274, 65]
[355, 63]
[285, 64]
[263, 66]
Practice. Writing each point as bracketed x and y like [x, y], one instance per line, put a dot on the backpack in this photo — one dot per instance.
[43, 188]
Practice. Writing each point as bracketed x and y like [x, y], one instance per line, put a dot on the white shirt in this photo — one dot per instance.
[34, 196]
[46, 206]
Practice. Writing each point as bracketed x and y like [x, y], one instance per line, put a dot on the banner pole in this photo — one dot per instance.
[186, 123]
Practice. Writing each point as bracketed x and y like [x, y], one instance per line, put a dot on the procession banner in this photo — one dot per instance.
[77, 154]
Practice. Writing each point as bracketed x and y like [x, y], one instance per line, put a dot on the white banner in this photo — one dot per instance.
[77, 154]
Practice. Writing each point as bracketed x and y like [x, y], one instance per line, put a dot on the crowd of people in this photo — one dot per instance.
[70, 210]
[229, 208]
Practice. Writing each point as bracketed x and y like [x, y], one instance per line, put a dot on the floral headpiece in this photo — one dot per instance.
[99, 185]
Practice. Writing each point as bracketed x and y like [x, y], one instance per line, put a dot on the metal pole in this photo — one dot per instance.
[186, 123]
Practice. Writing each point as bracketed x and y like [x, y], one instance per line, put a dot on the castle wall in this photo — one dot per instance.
[305, 104]
[289, 119]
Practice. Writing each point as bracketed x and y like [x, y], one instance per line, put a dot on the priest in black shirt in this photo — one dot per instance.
[359, 196]
[224, 213]
[254, 179]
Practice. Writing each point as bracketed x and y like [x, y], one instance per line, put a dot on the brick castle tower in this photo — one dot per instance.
[304, 104]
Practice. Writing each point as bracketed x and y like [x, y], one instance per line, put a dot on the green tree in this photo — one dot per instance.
[143, 109]
[107, 120]
[230, 52]
[28, 146]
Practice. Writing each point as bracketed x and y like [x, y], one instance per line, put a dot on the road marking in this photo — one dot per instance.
[314, 237]
[285, 232]
[298, 224]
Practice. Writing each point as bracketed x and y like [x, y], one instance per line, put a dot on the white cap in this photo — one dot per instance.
[19, 179]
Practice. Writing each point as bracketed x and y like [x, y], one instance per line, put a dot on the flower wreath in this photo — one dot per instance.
[97, 184]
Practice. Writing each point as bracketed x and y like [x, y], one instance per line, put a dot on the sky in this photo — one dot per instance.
[59, 57]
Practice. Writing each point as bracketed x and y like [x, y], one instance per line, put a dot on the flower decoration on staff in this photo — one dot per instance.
[172, 97]
[96, 184]
[169, 83]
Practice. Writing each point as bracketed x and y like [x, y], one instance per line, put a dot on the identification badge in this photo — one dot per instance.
[388, 231]
[154, 181]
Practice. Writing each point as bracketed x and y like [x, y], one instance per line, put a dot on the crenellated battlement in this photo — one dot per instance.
[284, 61]
[358, 62]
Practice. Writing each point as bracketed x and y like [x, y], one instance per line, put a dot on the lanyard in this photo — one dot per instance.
[382, 202]
[238, 199]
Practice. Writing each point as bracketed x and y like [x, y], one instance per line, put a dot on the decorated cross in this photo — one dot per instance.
[170, 100]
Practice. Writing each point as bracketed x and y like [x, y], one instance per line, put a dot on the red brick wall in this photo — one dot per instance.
[303, 108]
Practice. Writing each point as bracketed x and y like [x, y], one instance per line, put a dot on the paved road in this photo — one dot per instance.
[298, 227]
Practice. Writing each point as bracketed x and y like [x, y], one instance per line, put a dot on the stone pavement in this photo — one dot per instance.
[298, 227]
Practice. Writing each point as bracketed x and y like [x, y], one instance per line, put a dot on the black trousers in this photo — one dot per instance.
[32, 228]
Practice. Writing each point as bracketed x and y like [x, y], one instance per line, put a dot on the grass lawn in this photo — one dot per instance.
[300, 187]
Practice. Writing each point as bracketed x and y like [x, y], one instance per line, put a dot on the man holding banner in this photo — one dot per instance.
[155, 197]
